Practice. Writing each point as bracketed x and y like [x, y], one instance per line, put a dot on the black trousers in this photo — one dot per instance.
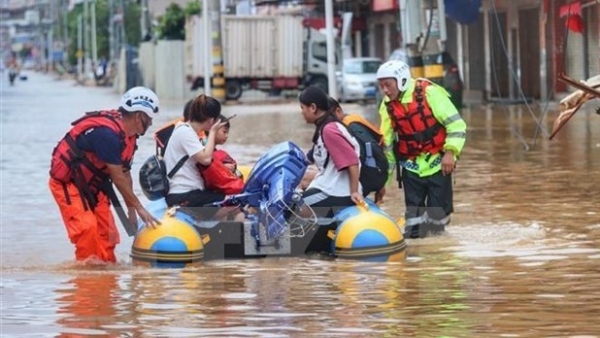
[431, 196]
[199, 202]
[325, 205]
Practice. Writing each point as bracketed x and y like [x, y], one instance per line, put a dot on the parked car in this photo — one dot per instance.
[358, 79]
[452, 81]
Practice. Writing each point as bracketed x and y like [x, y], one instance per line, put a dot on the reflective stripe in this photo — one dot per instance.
[415, 220]
[436, 162]
[457, 134]
[410, 165]
[315, 198]
[443, 221]
[451, 119]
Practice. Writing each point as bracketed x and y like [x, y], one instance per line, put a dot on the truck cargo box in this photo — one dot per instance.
[253, 46]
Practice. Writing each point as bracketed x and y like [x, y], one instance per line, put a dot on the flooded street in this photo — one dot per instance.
[521, 257]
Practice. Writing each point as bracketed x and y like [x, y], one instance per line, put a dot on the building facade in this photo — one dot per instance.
[516, 48]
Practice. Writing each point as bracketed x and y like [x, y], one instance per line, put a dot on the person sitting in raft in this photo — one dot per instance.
[162, 135]
[187, 187]
[335, 153]
[221, 174]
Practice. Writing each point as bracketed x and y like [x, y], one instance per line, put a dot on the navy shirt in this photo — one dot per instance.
[104, 142]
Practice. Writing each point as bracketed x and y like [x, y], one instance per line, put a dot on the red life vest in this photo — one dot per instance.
[83, 168]
[417, 129]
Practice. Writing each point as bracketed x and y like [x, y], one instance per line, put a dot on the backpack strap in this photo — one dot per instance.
[177, 166]
[321, 135]
[182, 160]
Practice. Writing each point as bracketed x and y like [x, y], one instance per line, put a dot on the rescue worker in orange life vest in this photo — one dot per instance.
[424, 135]
[94, 154]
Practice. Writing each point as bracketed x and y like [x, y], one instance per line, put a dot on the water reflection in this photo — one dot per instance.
[87, 305]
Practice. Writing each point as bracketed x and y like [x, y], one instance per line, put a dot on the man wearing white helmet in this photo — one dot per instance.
[424, 134]
[95, 154]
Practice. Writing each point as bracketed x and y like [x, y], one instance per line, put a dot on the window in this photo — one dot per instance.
[319, 51]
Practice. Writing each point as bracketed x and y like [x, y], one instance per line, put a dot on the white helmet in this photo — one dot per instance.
[140, 99]
[396, 69]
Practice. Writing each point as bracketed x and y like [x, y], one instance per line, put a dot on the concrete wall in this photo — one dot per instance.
[169, 70]
[120, 81]
[147, 64]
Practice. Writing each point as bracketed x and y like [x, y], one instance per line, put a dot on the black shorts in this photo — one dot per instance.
[200, 202]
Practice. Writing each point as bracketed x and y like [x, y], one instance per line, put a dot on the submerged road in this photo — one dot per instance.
[519, 259]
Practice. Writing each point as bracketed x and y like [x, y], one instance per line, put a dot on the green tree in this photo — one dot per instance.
[131, 21]
[193, 8]
[172, 24]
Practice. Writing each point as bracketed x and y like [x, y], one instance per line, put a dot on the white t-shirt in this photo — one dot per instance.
[183, 141]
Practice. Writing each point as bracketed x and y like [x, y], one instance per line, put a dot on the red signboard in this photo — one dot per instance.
[385, 5]
[358, 24]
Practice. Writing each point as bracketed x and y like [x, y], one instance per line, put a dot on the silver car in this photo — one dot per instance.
[358, 79]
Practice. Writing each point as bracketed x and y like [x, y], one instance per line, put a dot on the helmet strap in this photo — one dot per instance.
[144, 123]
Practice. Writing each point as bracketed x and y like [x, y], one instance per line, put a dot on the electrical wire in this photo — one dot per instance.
[545, 111]
[428, 26]
[514, 74]
[513, 129]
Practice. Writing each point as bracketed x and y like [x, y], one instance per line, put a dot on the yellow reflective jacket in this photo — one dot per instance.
[444, 112]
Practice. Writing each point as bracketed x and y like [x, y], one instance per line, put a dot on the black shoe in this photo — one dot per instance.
[412, 231]
[431, 229]
[423, 230]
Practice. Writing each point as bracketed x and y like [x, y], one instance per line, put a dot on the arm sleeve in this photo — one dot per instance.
[104, 142]
[340, 150]
[447, 115]
[388, 139]
[190, 142]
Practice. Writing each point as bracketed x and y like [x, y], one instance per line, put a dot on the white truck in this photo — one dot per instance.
[269, 53]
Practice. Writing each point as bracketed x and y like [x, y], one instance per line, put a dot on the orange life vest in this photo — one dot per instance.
[162, 136]
[417, 129]
[84, 168]
[355, 118]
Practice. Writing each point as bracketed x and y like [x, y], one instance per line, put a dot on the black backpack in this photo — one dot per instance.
[374, 164]
[154, 179]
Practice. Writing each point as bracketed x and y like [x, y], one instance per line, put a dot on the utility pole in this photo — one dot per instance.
[111, 31]
[144, 20]
[51, 37]
[86, 31]
[65, 22]
[94, 45]
[218, 81]
[123, 35]
[332, 83]
[207, 48]
[79, 46]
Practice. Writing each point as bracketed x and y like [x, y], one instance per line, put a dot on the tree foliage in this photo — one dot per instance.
[193, 8]
[131, 23]
[172, 23]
